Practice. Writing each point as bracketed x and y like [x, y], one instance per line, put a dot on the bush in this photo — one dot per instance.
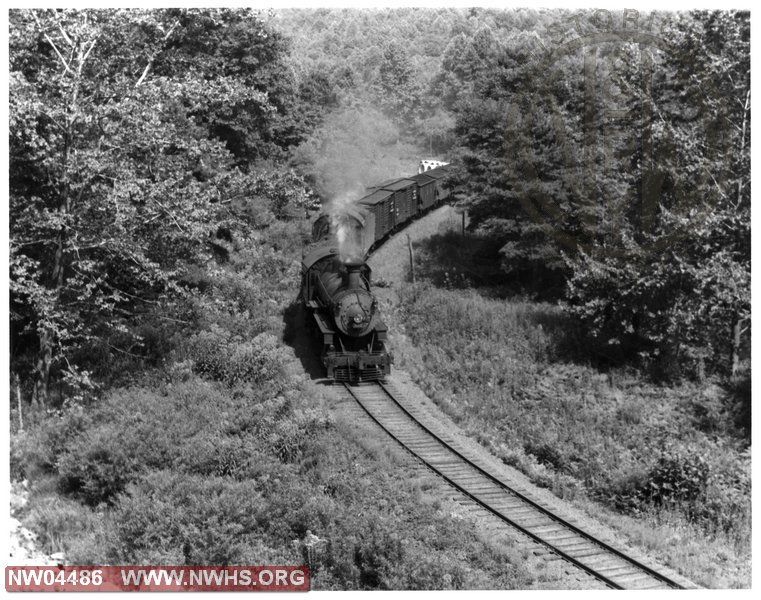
[195, 520]
[234, 361]
[35, 452]
[644, 448]
[98, 467]
[680, 475]
[727, 505]
[670, 311]
[132, 430]
[57, 521]
[706, 482]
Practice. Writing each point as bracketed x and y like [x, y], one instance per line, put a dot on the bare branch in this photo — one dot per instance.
[716, 183]
[169, 213]
[92, 45]
[64, 34]
[52, 44]
[155, 54]
[63, 60]
[52, 120]
[732, 123]
[31, 243]
[163, 318]
[124, 351]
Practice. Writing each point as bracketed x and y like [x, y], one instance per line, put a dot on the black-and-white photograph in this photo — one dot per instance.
[390, 298]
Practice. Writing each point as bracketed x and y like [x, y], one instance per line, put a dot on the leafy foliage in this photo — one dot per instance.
[129, 131]
[236, 361]
[679, 296]
[653, 238]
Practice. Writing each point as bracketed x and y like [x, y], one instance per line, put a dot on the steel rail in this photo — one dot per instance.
[544, 511]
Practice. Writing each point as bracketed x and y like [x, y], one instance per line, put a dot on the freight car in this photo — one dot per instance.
[335, 291]
[386, 208]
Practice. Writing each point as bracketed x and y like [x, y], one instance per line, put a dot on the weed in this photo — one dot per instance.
[494, 367]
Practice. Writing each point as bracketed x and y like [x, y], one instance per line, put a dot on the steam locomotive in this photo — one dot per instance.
[335, 281]
[336, 293]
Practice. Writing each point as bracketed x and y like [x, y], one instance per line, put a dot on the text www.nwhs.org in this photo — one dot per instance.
[157, 579]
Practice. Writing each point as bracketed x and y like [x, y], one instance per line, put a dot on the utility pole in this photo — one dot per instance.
[18, 400]
[412, 259]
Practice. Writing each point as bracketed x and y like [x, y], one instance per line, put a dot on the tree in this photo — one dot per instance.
[652, 231]
[680, 296]
[117, 181]
[397, 87]
[509, 150]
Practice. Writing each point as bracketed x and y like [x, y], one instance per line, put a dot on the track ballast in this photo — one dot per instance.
[613, 567]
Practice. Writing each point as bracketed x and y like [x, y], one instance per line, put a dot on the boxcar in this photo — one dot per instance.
[439, 173]
[405, 199]
[381, 213]
[426, 191]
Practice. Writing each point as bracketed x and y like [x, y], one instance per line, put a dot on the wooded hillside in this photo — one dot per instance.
[164, 169]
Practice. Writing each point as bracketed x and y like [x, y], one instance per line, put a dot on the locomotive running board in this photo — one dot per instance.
[325, 329]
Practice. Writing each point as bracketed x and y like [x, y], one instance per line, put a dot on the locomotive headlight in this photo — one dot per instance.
[357, 319]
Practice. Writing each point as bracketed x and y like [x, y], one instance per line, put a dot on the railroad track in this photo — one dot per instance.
[602, 561]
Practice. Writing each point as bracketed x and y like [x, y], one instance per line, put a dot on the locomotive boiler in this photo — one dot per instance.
[335, 290]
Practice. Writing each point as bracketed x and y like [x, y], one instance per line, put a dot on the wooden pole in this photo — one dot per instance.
[18, 400]
[463, 224]
[412, 259]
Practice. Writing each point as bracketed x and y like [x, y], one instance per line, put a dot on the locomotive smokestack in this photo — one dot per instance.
[353, 273]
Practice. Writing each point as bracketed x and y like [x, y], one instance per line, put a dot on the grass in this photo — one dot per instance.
[674, 460]
[148, 481]
[228, 454]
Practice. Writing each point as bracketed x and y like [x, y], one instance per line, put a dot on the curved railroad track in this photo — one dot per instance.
[602, 561]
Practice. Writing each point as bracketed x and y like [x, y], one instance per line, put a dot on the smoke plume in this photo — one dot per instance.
[356, 146]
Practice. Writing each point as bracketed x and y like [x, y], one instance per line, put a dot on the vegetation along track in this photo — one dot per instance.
[607, 564]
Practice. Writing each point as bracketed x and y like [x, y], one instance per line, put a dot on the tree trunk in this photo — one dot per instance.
[17, 385]
[736, 342]
[412, 259]
[42, 369]
[45, 330]
[746, 114]
[47, 338]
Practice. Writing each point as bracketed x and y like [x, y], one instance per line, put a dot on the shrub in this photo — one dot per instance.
[97, 467]
[213, 453]
[134, 429]
[57, 521]
[35, 451]
[679, 475]
[290, 437]
[375, 553]
[727, 505]
[233, 361]
[670, 311]
[197, 520]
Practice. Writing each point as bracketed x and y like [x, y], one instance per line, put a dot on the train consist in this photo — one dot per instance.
[335, 277]
[386, 208]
